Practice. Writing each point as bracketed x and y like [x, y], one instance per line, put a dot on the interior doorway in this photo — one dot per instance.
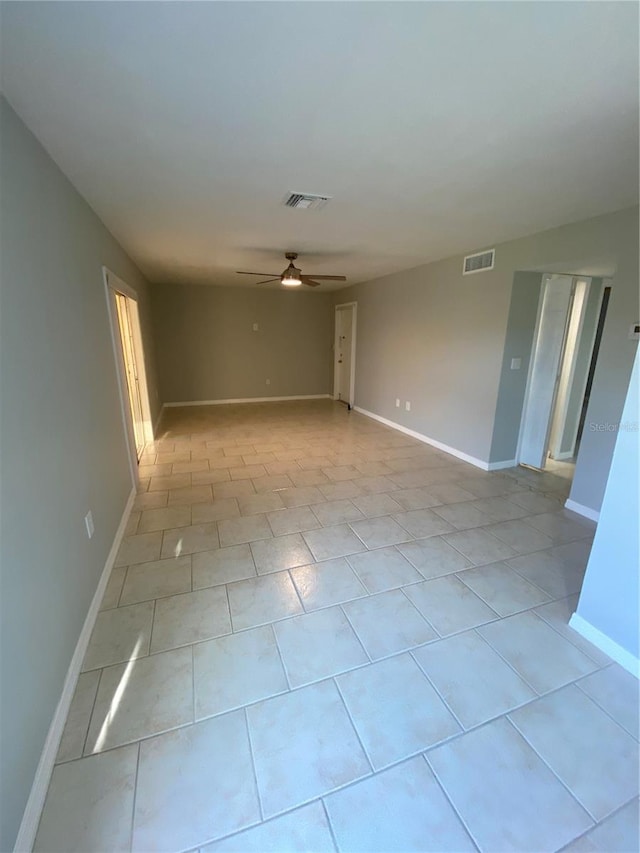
[344, 369]
[125, 307]
[124, 316]
[571, 316]
[606, 294]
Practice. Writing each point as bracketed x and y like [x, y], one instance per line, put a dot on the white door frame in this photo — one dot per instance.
[527, 393]
[352, 382]
[113, 285]
[568, 363]
[605, 282]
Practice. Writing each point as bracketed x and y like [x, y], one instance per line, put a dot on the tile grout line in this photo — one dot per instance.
[85, 741]
[438, 635]
[124, 582]
[560, 634]
[460, 577]
[336, 846]
[340, 605]
[193, 684]
[500, 655]
[437, 692]
[153, 622]
[451, 803]
[297, 591]
[574, 796]
[365, 752]
[590, 829]
[135, 795]
[281, 658]
[537, 695]
[602, 708]
[253, 764]
[524, 577]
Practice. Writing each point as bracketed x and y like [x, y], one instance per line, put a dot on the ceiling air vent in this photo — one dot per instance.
[306, 201]
[479, 262]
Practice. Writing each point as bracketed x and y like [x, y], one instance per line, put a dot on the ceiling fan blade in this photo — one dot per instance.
[326, 277]
[266, 281]
[241, 272]
[309, 281]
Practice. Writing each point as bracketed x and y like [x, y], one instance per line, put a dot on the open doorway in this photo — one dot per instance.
[122, 302]
[571, 316]
[344, 350]
[592, 364]
[125, 307]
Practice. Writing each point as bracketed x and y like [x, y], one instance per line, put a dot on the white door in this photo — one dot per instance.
[344, 346]
[573, 339]
[125, 324]
[546, 359]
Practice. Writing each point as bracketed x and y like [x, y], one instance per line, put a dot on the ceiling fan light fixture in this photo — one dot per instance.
[291, 277]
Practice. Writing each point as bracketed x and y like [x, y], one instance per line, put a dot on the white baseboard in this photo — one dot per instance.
[31, 817]
[601, 641]
[586, 511]
[506, 463]
[562, 457]
[248, 400]
[479, 463]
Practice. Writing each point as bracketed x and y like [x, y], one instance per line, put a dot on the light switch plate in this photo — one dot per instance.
[407, 406]
[516, 363]
[88, 523]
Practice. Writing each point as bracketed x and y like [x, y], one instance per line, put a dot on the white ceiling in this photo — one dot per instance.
[437, 127]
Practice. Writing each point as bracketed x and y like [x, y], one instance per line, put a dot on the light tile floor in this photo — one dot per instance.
[321, 634]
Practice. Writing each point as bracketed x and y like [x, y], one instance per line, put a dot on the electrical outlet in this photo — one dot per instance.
[268, 382]
[397, 402]
[516, 363]
[407, 406]
[88, 523]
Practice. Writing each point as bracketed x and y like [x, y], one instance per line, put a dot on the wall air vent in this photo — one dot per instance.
[479, 262]
[306, 201]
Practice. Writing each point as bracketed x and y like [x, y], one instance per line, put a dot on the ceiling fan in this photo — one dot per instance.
[292, 276]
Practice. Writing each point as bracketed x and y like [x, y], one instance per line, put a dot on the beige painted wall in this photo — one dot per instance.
[437, 338]
[207, 349]
[62, 449]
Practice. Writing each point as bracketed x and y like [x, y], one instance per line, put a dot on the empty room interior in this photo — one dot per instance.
[319, 420]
